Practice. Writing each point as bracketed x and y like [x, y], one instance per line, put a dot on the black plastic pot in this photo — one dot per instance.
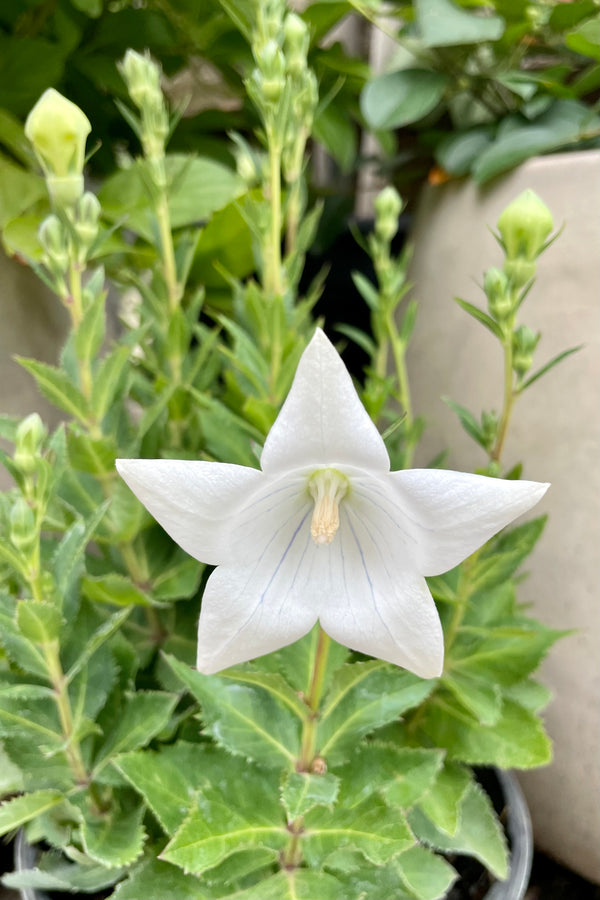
[510, 805]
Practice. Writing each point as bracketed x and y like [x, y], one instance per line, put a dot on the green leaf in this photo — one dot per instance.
[457, 152]
[502, 556]
[38, 621]
[363, 697]
[506, 654]
[15, 812]
[179, 580]
[399, 98]
[68, 557]
[248, 721]
[467, 420]
[57, 387]
[157, 880]
[223, 824]
[549, 365]
[108, 379]
[113, 588]
[168, 780]
[297, 661]
[427, 876]
[91, 330]
[372, 828]
[366, 289]
[530, 694]
[585, 38]
[28, 711]
[337, 131]
[481, 316]
[93, 455]
[441, 23]
[479, 833]
[198, 187]
[442, 803]
[272, 682]
[298, 884]
[479, 696]
[19, 650]
[19, 190]
[302, 791]
[400, 775]
[517, 740]
[144, 714]
[98, 638]
[564, 124]
[11, 777]
[115, 839]
[52, 874]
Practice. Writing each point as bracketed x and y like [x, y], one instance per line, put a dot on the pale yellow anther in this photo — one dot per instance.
[327, 487]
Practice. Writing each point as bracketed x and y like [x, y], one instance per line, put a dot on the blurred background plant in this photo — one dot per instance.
[475, 88]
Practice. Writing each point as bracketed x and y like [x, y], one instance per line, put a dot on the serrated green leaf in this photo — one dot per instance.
[90, 332]
[401, 775]
[144, 714]
[506, 654]
[503, 556]
[11, 777]
[108, 379]
[299, 884]
[219, 826]
[530, 694]
[52, 874]
[478, 695]
[517, 740]
[363, 697]
[98, 638]
[38, 621]
[302, 791]
[479, 833]
[179, 580]
[96, 456]
[15, 812]
[272, 682]
[248, 721]
[19, 650]
[167, 780]
[115, 839]
[113, 588]
[28, 711]
[297, 661]
[157, 880]
[56, 386]
[442, 803]
[68, 556]
[377, 831]
[427, 876]
[481, 316]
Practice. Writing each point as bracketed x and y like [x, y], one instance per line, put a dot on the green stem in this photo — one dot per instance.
[63, 703]
[509, 397]
[168, 252]
[294, 180]
[272, 262]
[312, 700]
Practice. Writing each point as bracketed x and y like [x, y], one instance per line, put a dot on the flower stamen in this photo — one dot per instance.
[327, 487]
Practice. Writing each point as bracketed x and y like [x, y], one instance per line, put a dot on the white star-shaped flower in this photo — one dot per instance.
[324, 531]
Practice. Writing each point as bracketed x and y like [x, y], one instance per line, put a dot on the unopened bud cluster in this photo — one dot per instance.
[388, 206]
[524, 343]
[142, 75]
[29, 439]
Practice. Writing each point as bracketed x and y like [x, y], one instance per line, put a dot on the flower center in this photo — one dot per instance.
[327, 487]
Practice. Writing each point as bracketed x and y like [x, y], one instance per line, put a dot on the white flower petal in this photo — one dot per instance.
[252, 609]
[375, 604]
[195, 502]
[322, 421]
[448, 515]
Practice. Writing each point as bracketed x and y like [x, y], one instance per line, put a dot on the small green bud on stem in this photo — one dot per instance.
[496, 285]
[23, 534]
[524, 343]
[388, 206]
[524, 227]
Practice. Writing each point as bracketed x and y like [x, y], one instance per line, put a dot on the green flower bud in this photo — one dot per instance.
[54, 240]
[88, 214]
[142, 77]
[489, 428]
[496, 285]
[524, 226]
[524, 343]
[22, 526]
[296, 40]
[28, 442]
[271, 80]
[388, 206]
[58, 130]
